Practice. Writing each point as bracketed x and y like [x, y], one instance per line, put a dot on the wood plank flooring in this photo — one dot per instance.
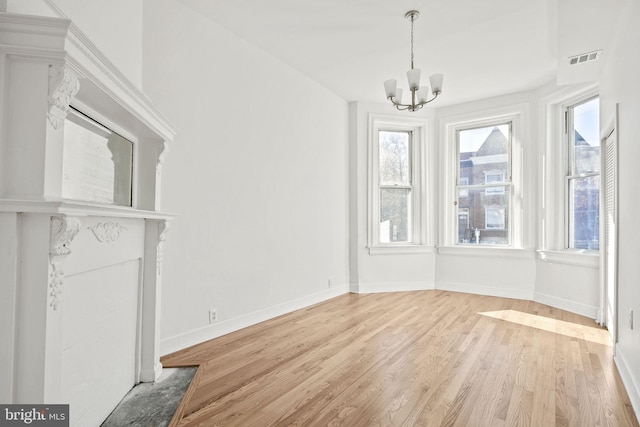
[425, 358]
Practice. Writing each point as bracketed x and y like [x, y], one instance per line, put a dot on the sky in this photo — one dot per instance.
[472, 139]
[586, 119]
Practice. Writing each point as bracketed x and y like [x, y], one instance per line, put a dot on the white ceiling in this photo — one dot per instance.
[483, 47]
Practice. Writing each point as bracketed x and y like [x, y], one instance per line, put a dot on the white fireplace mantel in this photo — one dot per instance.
[80, 281]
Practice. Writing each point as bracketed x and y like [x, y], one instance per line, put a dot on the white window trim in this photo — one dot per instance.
[421, 195]
[554, 224]
[519, 236]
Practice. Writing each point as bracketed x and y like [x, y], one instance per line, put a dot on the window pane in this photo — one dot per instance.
[484, 154]
[584, 213]
[394, 157]
[395, 205]
[586, 137]
[485, 216]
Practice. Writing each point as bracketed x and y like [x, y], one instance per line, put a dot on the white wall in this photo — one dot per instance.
[257, 177]
[114, 26]
[570, 287]
[619, 84]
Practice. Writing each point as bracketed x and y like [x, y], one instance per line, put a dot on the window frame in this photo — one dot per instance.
[570, 173]
[519, 235]
[409, 185]
[551, 234]
[420, 197]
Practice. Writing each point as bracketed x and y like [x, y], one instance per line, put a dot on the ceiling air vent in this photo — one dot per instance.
[585, 57]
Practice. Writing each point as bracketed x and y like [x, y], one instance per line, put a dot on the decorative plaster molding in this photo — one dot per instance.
[163, 228]
[63, 230]
[56, 279]
[63, 86]
[162, 154]
[107, 232]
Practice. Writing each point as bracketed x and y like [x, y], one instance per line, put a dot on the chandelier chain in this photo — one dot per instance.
[412, 18]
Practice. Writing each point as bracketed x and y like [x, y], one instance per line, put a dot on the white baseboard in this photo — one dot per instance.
[179, 342]
[371, 288]
[565, 304]
[630, 384]
[492, 291]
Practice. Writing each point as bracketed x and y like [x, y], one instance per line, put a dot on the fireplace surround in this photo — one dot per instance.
[81, 281]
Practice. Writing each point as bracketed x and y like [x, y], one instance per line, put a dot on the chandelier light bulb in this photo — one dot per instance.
[436, 83]
[423, 94]
[390, 87]
[413, 77]
[398, 97]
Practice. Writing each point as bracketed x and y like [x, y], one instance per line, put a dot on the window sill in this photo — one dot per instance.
[401, 250]
[581, 258]
[485, 251]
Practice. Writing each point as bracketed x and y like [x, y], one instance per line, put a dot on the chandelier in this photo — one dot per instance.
[419, 94]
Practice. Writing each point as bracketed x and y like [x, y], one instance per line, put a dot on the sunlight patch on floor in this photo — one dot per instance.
[574, 330]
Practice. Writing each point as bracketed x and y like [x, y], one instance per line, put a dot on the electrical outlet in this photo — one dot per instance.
[631, 319]
[330, 283]
[213, 315]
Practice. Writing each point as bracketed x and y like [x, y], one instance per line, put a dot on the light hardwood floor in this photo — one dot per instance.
[426, 358]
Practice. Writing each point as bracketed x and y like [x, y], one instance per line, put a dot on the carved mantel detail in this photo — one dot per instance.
[163, 150]
[163, 228]
[63, 230]
[63, 86]
[107, 232]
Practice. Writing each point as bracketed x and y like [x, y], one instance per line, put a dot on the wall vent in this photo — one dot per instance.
[585, 57]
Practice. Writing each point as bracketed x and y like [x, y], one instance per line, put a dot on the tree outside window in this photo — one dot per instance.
[395, 186]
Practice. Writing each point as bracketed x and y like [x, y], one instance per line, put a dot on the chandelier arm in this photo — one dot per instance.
[400, 106]
[435, 95]
[413, 106]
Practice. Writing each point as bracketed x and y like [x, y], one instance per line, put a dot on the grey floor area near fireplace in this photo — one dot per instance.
[152, 404]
